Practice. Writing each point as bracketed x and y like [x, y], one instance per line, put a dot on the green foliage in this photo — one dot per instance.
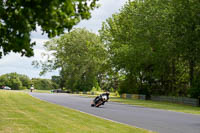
[44, 84]
[26, 82]
[3, 80]
[128, 85]
[194, 91]
[155, 44]
[15, 81]
[97, 88]
[15, 84]
[19, 82]
[112, 89]
[18, 18]
[56, 80]
[94, 89]
[79, 55]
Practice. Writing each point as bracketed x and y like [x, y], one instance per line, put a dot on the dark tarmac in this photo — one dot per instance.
[151, 119]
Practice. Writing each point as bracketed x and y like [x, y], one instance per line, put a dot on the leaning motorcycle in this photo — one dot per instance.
[100, 100]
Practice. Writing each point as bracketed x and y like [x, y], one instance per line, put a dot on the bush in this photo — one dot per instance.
[25, 80]
[128, 86]
[16, 84]
[12, 80]
[44, 84]
[94, 89]
[111, 89]
[194, 91]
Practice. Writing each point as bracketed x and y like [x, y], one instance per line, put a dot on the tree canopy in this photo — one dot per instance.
[79, 55]
[156, 43]
[15, 81]
[19, 82]
[44, 84]
[18, 18]
[150, 47]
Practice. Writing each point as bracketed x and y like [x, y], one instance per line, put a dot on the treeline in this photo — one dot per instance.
[156, 43]
[20, 82]
[149, 47]
[81, 58]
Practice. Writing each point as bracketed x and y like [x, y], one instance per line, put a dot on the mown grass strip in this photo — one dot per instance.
[159, 105]
[154, 104]
[21, 113]
[38, 91]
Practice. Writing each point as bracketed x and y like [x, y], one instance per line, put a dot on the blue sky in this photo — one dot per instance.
[15, 63]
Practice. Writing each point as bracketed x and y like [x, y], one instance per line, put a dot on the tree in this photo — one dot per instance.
[79, 55]
[18, 18]
[156, 43]
[135, 38]
[186, 30]
[3, 81]
[43, 84]
[57, 80]
[15, 81]
[25, 80]
[12, 80]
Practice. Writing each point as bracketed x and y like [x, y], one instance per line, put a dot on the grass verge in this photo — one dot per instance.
[35, 90]
[154, 104]
[159, 105]
[21, 113]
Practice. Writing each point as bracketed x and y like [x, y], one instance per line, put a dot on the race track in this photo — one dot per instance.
[151, 119]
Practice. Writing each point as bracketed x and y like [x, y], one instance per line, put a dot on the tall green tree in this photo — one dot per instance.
[134, 40]
[18, 18]
[156, 44]
[43, 84]
[185, 30]
[25, 80]
[79, 55]
[12, 80]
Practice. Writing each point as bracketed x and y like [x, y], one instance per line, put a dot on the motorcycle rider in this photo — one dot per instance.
[107, 95]
[102, 96]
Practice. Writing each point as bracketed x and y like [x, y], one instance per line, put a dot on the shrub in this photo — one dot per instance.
[44, 84]
[194, 91]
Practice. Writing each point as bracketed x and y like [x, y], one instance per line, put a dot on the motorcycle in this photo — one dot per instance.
[100, 100]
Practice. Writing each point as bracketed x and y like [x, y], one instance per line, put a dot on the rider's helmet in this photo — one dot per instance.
[108, 93]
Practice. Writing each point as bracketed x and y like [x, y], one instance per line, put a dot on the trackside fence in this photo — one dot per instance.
[133, 96]
[181, 100]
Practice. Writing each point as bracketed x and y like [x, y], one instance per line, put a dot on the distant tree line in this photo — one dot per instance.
[20, 82]
[44, 84]
[80, 56]
[150, 47]
[156, 44]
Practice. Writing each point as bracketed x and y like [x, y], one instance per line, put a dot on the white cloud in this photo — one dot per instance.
[107, 8]
[22, 65]
[38, 34]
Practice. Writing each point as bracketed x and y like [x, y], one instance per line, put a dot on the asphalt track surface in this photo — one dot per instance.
[151, 119]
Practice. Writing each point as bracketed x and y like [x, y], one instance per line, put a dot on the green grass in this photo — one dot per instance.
[154, 104]
[35, 90]
[42, 91]
[159, 105]
[21, 113]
